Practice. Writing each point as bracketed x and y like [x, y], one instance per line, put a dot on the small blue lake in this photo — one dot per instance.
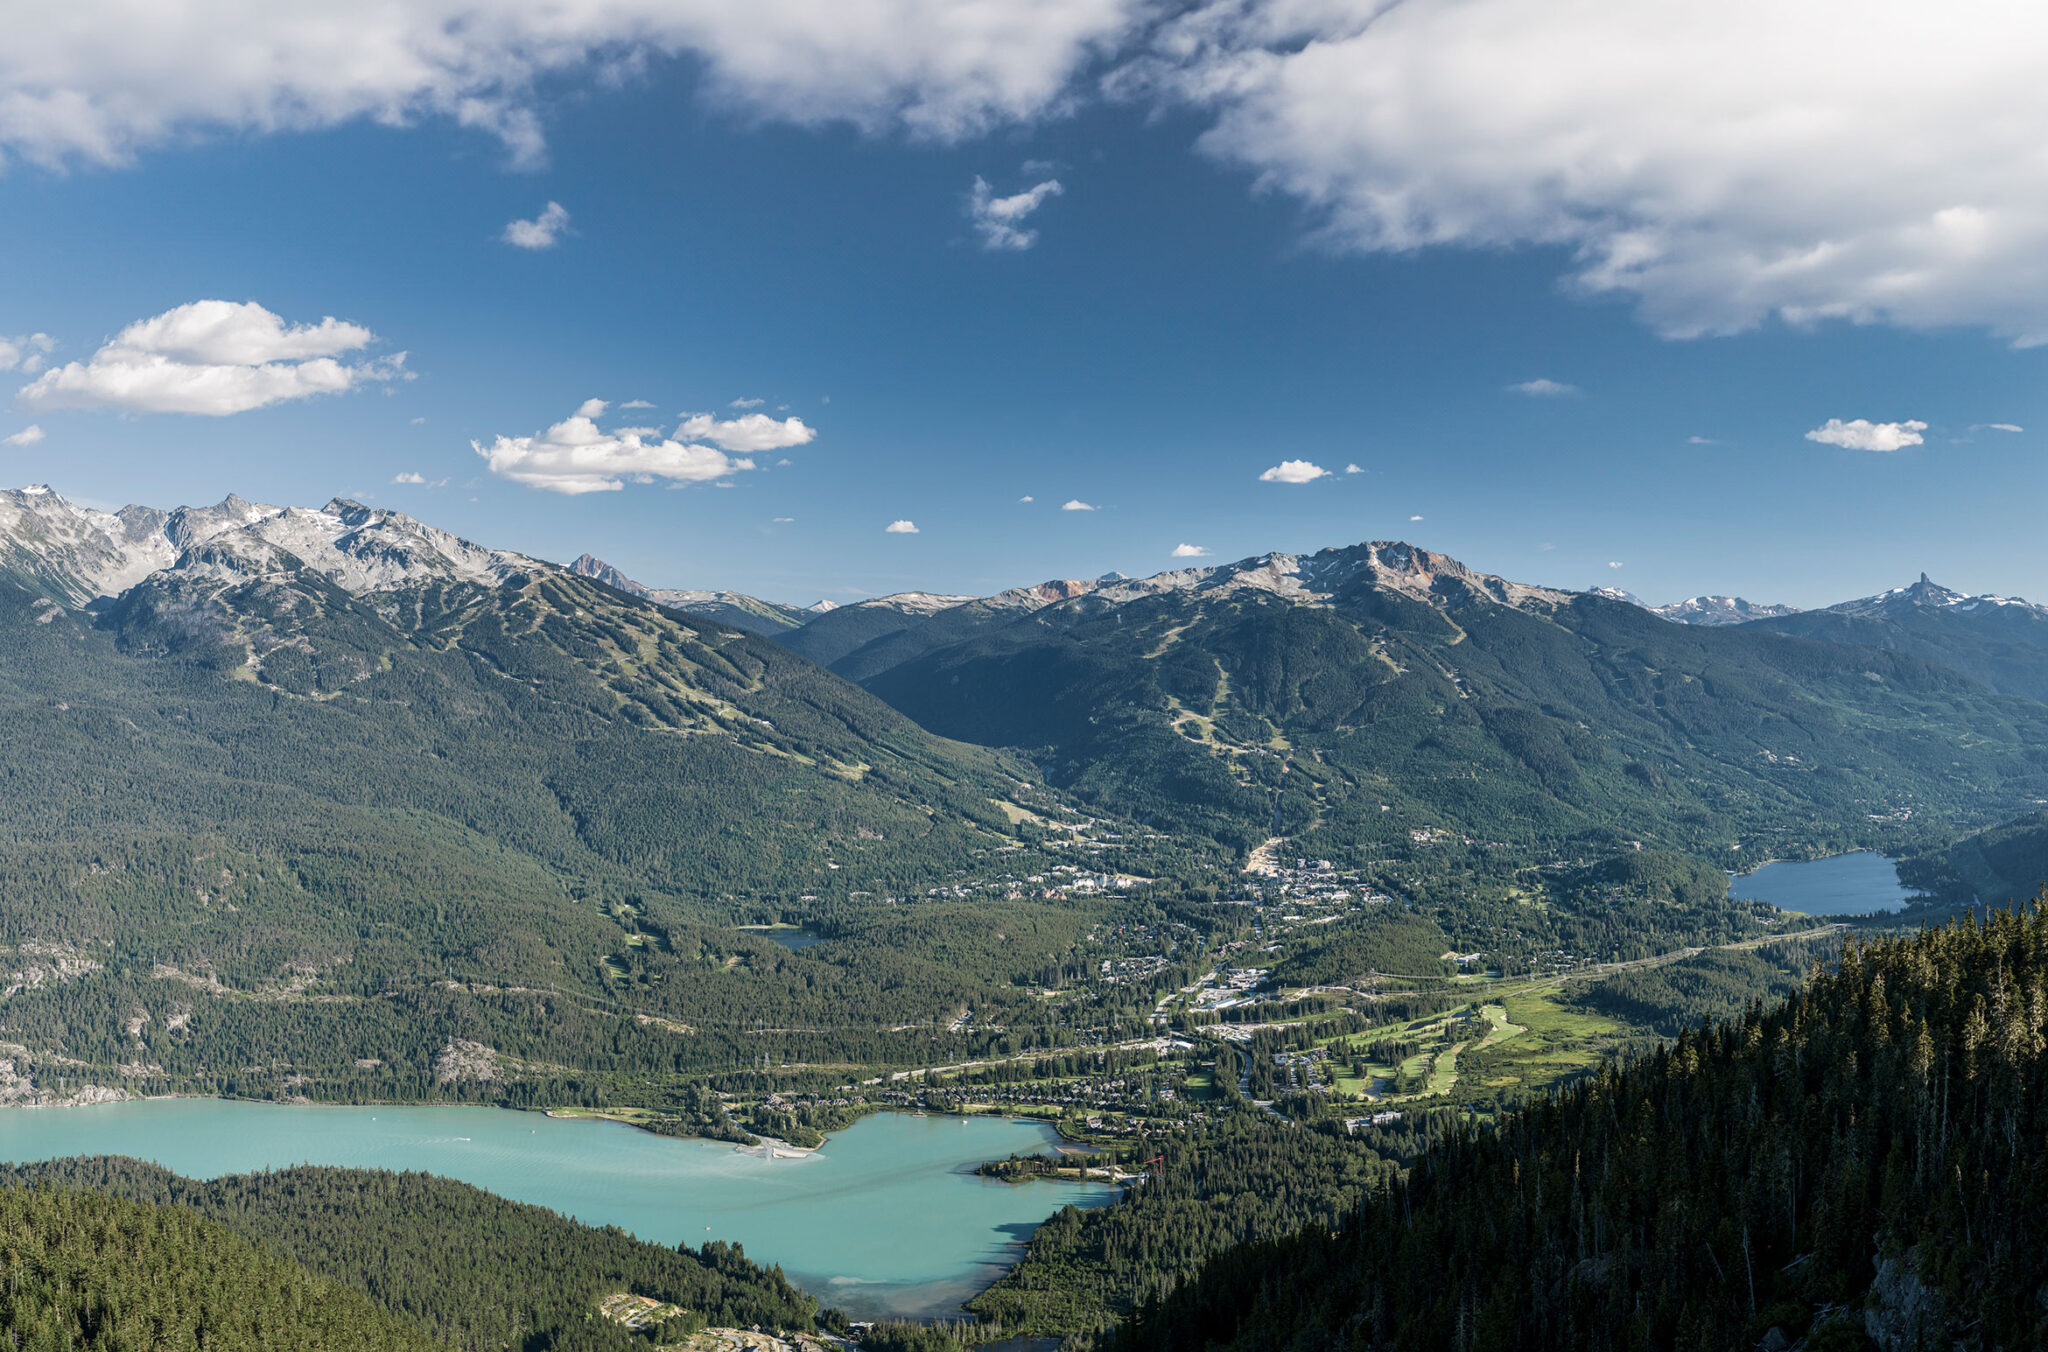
[1862, 883]
[888, 1219]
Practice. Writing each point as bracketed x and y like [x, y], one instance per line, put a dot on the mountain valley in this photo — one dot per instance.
[1292, 868]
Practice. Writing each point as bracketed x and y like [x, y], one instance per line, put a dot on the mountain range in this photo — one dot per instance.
[901, 613]
[442, 786]
[1335, 697]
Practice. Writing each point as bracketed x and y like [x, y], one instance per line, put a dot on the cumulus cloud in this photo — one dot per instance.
[1353, 469]
[1612, 564]
[636, 403]
[591, 408]
[1190, 551]
[27, 436]
[1076, 505]
[1293, 472]
[408, 477]
[1860, 434]
[1542, 388]
[747, 403]
[1000, 220]
[100, 80]
[26, 354]
[213, 358]
[1027, 498]
[750, 432]
[1721, 164]
[900, 528]
[576, 456]
[1415, 518]
[544, 231]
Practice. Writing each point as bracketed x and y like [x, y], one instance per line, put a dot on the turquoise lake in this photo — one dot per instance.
[1861, 883]
[888, 1219]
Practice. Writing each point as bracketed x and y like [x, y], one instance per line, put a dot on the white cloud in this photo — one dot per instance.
[26, 354]
[1415, 518]
[1542, 388]
[1612, 564]
[1722, 164]
[1000, 220]
[1353, 469]
[2005, 427]
[544, 231]
[1293, 472]
[1027, 498]
[747, 403]
[591, 408]
[1076, 505]
[408, 477]
[1701, 441]
[417, 421]
[1860, 434]
[575, 456]
[900, 528]
[1190, 551]
[749, 432]
[782, 520]
[212, 357]
[100, 80]
[27, 436]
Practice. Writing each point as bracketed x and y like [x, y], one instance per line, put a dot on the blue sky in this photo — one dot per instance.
[1200, 301]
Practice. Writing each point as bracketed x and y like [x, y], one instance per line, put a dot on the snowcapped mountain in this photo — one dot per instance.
[1927, 595]
[1703, 610]
[80, 554]
[1719, 610]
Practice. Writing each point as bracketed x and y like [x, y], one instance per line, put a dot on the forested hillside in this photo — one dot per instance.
[475, 1270]
[1867, 1161]
[1988, 868]
[84, 1270]
[1455, 729]
[267, 835]
[1999, 641]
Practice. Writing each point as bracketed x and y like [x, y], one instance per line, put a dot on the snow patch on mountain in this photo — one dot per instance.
[1927, 594]
[1713, 610]
[83, 554]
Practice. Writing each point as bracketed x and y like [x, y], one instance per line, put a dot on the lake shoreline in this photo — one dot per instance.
[816, 1216]
[1851, 884]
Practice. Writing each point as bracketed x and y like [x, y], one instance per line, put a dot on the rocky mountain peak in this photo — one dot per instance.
[1927, 594]
[590, 566]
[80, 554]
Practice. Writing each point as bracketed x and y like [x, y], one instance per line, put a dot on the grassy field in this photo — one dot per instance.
[1516, 1042]
[1553, 1044]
